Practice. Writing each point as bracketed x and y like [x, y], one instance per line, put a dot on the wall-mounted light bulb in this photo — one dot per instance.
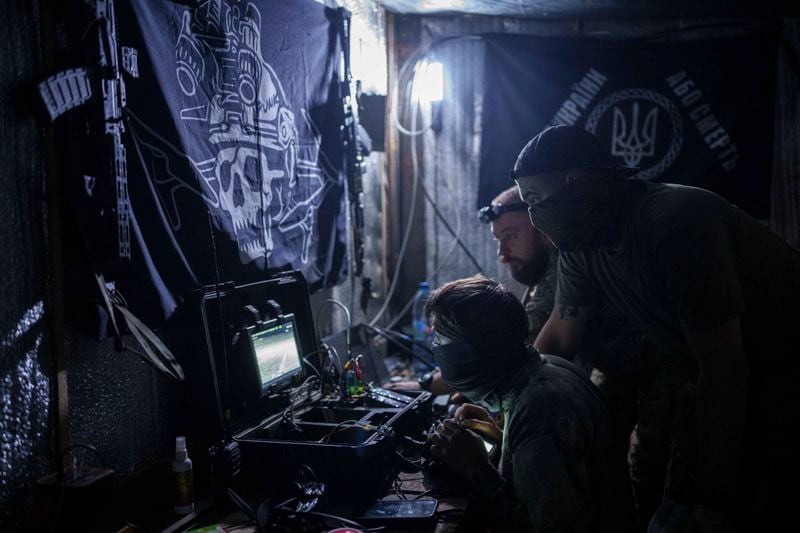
[429, 82]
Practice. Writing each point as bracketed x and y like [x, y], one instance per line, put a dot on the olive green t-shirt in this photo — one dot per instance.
[688, 261]
[612, 343]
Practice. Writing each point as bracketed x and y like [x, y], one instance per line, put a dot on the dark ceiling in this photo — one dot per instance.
[597, 8]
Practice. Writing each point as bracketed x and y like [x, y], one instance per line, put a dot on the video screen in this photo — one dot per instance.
[276, 351]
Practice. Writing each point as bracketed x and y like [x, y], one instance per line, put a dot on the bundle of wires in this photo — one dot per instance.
[302, 389]
[414, 64]
[341, 426]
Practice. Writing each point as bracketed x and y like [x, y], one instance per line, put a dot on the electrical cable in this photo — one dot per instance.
[396, 341]
[335, 357]
[309, 470]
[314, 368]
[85, 447]
[396, 117]
[415, 164]
[117, 297]
[327, 437]
[299, 389]
[437, 492]
[415, 173]
[414, 59]
[459, 225]
[394, 320]
[448, 515]
[424, 493]
[397, 490]
[450, 229]
[341, 520]
[292, 406]
[456, 242]
[417, 466]
[290, 514]
[427, 195]
[63, 492]
[407, 233]
[349, 321]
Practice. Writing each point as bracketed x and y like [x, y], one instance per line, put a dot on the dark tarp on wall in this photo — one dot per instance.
[232, 124]
[698, 113]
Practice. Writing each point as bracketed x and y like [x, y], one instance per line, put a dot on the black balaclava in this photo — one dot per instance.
[586, 214]
[479, 372]
[470, 373]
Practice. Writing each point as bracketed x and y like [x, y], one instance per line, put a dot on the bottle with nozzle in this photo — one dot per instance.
[184, 482]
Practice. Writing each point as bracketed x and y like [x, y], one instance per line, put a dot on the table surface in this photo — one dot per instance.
[438, 484]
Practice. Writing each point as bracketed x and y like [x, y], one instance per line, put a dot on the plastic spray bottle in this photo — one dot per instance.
[184, 482]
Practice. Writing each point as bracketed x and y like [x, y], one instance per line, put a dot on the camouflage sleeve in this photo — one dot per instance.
[540, 300]
[543, 484]
[542, 498]
[543, 436]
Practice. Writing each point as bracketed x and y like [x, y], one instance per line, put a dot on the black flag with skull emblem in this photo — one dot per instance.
[695, 112]
[233, 145]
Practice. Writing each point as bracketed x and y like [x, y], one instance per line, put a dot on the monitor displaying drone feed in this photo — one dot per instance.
[276, 350]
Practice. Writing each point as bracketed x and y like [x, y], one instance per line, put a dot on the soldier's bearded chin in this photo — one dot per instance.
[533, 270]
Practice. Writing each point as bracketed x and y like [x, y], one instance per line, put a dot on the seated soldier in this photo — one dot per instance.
[559, 469]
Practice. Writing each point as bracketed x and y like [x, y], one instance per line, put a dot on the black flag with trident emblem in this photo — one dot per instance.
[698, 113]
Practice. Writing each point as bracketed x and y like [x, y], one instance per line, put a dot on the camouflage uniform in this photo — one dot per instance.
[561, 469]
[539, 299]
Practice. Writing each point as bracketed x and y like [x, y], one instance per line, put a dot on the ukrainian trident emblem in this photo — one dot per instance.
[632, 135]
[631, 142]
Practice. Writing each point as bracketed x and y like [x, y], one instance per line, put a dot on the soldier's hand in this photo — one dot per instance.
[460, 449]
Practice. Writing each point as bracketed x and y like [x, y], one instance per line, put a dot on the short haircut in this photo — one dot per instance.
[481, 311]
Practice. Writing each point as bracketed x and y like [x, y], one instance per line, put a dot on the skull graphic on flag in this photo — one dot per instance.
[240, 137]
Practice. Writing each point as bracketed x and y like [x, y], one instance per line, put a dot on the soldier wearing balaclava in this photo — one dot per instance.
[701, 279]
[560, 468]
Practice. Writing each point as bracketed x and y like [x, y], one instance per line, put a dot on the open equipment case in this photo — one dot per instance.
[285, 410]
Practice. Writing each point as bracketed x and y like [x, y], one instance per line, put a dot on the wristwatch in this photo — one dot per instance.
[425, 381]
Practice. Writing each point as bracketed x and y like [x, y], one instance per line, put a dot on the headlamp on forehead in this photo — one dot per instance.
[490, 213]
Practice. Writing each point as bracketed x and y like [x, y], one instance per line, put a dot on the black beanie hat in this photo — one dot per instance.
[560, 148]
